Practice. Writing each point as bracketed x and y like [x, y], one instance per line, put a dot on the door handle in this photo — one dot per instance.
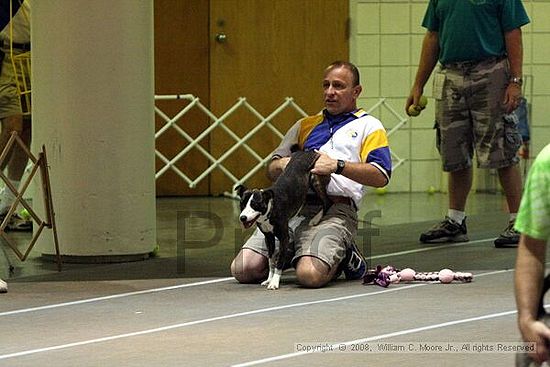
[221, 38]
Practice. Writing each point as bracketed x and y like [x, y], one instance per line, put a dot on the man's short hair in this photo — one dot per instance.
[346, 65]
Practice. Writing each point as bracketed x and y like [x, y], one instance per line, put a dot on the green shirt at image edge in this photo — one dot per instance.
[534, 212]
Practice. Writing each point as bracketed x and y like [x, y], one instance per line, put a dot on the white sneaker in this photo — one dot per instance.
[3, 286]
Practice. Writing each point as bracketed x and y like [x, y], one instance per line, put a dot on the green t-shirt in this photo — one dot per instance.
[473, 29]
[534, 212]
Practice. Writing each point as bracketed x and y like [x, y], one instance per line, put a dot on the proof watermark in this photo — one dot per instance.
[416, 347]
[197, 231]
[366, 231]
[207, 238]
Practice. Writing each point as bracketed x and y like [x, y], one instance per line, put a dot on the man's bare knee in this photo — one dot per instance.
[247, 275]
[249, 267]
[312, 272]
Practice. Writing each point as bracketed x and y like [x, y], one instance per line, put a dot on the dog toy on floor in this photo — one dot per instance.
[384, 276]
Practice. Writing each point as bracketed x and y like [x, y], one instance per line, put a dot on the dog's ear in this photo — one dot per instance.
[267, 195]
[240, 190]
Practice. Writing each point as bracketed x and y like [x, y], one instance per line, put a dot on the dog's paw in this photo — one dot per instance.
[266, 282]
[273, 285]
[274, 282]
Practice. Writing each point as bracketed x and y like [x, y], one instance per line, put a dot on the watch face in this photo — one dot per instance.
[340, 166]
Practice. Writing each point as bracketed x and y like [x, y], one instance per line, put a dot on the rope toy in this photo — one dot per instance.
[384, 276]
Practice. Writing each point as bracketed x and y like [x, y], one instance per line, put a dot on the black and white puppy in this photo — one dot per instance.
[273, 207]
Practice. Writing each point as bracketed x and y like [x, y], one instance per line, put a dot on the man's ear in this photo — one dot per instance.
[240, 190]
[357, 91]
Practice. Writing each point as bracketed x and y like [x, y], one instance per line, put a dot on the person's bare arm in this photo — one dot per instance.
[514, 50]
[528, 287]
[363, 173]
[428, 59]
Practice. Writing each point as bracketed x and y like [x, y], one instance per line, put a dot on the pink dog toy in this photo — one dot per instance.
[384, 276]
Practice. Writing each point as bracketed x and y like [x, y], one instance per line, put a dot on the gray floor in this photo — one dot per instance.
[181, 308]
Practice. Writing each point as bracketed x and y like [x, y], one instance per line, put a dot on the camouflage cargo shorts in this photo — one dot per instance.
[326, 241]
[10, 100]
[470, 115]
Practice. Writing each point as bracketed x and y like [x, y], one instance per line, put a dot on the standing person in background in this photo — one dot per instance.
[534, 224]
[14, 38]
[479, 47]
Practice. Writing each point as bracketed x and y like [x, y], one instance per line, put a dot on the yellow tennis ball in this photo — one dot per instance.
[431, 190]
[422, 102]
[24, 213]
[381, 191]
[155, 251]
[413, 110]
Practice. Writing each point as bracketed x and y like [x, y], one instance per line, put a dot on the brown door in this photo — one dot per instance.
[181, 66]
[262, 50]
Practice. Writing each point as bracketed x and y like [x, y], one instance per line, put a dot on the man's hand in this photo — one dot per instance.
[276, 167]
[512, 97]
[536, 332]
[413, 99]
[324, 165]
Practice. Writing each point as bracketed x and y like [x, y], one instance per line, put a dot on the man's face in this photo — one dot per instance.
[339, 93]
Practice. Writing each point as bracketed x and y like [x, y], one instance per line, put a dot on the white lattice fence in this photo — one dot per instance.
[218, 123]
[401, 121]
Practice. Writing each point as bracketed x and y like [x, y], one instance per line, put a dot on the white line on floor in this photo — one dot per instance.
[113, 296]
[97, 299]
[388, 335]
[219, 318]
[380, 337]
[203, 321]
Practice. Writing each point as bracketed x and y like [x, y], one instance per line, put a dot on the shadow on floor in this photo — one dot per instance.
[397, 232]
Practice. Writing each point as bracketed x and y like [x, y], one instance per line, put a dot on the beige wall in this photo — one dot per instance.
[386, 38]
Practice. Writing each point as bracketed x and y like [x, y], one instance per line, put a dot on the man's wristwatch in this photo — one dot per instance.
[340, 166]
[517, 80]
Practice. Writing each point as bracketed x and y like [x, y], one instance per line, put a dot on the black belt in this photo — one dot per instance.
[15, 45]
[472, 63]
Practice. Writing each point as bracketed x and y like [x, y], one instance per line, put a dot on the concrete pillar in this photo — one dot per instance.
[93, 99]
